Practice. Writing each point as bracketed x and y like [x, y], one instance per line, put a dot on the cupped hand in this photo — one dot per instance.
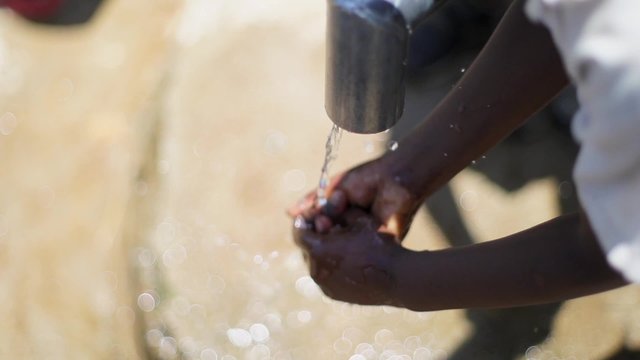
[352, 262]
[375, 186]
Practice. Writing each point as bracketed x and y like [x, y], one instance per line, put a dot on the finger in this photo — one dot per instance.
[301, 223]
[307, 206]
[393, 227]
[323, 223]
[300, 239]
[395, 218]
[305, 236]
[336, 204]
[303, 205]
[359, 189]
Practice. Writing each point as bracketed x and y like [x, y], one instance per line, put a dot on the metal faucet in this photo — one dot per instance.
[367, 46]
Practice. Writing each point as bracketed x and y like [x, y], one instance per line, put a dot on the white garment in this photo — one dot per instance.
[599, 41]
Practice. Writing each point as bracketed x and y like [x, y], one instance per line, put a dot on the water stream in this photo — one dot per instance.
[331, 153]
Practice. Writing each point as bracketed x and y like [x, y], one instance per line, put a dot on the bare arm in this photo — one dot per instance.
[517, 73]
[557, 260]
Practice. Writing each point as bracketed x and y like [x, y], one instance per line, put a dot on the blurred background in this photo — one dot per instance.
[148, 150]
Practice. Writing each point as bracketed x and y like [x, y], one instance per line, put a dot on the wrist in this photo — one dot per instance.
[407, 269]
[408, 168]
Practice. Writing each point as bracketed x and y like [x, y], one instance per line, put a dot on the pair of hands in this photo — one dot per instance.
[352, 245]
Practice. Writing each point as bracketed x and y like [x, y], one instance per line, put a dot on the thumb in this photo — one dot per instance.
[395, 209]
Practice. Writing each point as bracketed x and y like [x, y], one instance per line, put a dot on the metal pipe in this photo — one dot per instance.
[367, 44]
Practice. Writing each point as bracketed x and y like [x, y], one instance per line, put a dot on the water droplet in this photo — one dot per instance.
[533, 353]
[239, 337]
[473, 162]
[455, 127]
[259, 352]
[462, 70]
[259, 333]
[383, 336]
[197, 311]
[412, 343]
[422, 354]
[469, 200]
[393, 145]
[259, 260]
[174, 255]
[275, 142]
[445, 154]
[304, 316]
[274, 321]
[146, 302]
[208, 354]
[146, 258]
[488, 106]
[368, 147]
[342, 346]
[363, 348]
[294, 180]
[153, 337]
[181, 306]
[188, 346]
[8, 123]
[221, 240]
[168, 347]
[301, 223]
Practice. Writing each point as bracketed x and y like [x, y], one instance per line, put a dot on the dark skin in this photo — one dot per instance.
[354, 246]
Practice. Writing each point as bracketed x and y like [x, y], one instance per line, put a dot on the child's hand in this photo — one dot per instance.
[374, 186]
[353, 262]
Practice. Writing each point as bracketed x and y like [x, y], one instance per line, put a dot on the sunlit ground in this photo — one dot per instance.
[146, 162]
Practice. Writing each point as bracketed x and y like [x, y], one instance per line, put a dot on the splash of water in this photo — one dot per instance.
[331, 153]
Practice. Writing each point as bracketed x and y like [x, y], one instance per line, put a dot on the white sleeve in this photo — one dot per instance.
[600, 44]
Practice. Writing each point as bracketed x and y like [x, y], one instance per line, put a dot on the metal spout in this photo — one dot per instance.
[367, 45]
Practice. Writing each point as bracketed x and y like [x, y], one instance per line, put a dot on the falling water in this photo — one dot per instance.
[331, 153]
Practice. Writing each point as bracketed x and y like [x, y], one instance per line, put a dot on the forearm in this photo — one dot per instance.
[554, 261]
[517, 73]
